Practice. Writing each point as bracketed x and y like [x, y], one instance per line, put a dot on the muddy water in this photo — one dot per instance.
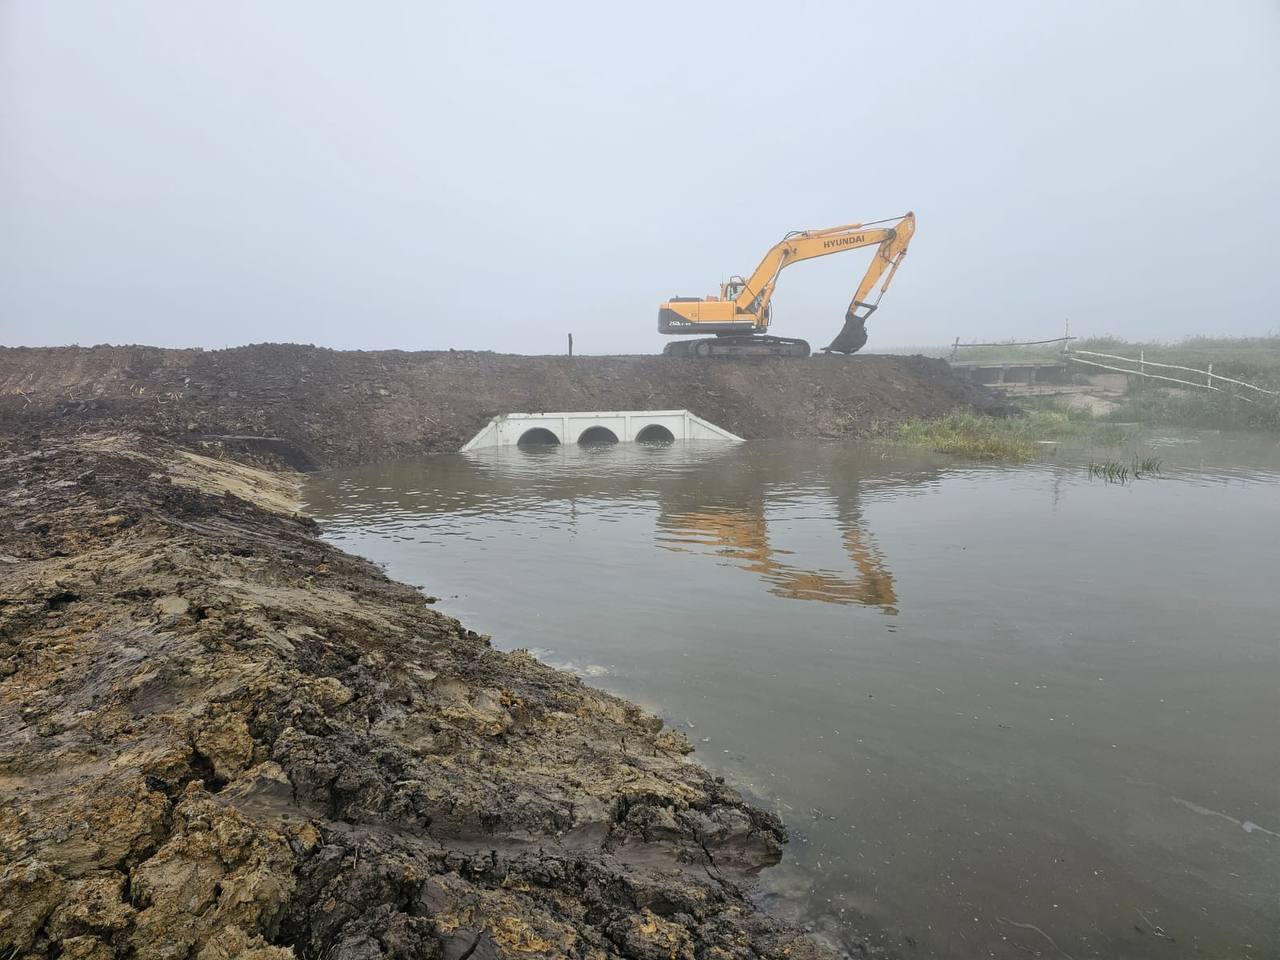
[1006, 711]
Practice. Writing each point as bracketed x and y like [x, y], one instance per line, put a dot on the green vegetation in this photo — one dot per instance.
[1110, 471]
[1196, 409]
[967, 435]
[1146, 465]
[1006, 438]
[1113, 471]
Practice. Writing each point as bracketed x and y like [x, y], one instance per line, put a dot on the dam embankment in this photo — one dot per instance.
[339, 408]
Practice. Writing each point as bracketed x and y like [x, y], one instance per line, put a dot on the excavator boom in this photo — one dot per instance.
[740, 316]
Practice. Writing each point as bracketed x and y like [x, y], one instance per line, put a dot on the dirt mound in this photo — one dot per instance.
[327, 407]
[221, 737]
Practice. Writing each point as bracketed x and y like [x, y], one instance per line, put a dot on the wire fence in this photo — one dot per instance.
[1064, 340]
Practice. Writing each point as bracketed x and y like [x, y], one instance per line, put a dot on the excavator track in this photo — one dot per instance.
[742, 346]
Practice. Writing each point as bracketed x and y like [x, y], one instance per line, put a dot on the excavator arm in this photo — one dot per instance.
[891, 246]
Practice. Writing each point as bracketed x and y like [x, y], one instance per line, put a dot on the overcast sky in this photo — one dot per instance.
[495, 175]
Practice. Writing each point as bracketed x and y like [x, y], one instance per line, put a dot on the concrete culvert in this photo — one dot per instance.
[538, 437]
[655, 433]
[597, 435]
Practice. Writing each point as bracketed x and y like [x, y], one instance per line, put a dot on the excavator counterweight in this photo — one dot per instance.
[739, 317]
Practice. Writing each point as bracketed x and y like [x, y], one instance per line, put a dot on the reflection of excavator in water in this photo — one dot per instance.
[742, 535]
[739, 317]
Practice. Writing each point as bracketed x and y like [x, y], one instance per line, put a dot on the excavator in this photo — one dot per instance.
[739, 317]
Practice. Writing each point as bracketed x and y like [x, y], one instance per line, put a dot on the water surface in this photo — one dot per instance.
[1006, 711]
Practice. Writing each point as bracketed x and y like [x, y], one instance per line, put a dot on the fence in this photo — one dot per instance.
[955, 347]
[1065, 339]
[1139, 369]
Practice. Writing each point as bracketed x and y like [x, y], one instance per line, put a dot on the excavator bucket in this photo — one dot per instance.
[852, 337]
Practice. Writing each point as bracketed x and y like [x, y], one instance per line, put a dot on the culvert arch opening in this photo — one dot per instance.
[537, 437]
[655, 433]
[597, 436]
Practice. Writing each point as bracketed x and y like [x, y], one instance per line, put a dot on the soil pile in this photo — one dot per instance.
[327, 407]
[221, 737]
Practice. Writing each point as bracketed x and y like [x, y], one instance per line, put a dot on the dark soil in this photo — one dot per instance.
[221, 737]
[327, 407]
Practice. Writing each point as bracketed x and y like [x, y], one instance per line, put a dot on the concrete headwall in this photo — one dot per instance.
[622, 426]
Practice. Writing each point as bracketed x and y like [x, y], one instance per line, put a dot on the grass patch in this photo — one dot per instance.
[967, 435]
[1214, 410]
[1109, 470]
[1143, 466]
[977, 437]
[1113, 471]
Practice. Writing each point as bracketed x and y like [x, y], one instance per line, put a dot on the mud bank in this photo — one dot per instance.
[324, 407]
[221, 737]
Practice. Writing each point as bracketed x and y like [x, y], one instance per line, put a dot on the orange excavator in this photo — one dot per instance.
[739, 317]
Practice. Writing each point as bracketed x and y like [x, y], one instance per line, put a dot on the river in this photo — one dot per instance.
[1004, 710]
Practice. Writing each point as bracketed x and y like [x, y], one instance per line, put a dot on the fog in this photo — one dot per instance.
[494, 176]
